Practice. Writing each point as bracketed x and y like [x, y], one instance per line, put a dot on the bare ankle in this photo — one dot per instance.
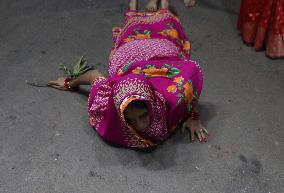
[133, 5]
[164, 4]
[152, 5]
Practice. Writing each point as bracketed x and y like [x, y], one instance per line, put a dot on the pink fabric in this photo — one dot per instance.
[149, 61]
[105, 116]
[189, 70]
[140, 50]
[157, 45]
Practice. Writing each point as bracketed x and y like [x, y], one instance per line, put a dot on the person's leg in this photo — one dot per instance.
[164, 4]
[132, 10]
[133, 5]
[152, 5]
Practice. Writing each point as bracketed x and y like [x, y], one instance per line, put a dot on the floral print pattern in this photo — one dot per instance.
[178, 80]
[188, 92]
[172, 33]
[137, 35]
[151, 71]
[181, 88]
[127, 59]
[186, 45]
[172, 88]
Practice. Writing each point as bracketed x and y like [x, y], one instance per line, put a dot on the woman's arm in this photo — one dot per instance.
[85, 79]
[195, 126]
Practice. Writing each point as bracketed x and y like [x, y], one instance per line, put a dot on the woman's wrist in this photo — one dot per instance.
[193, 115]
[69, 84]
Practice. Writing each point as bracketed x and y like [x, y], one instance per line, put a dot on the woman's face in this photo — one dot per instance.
[138, 118]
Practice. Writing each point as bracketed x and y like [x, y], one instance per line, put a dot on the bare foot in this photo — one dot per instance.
[165, 4]
[133, 5]
[152, 5]
[189, 3]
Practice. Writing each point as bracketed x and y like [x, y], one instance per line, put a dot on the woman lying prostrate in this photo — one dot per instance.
[152, 87]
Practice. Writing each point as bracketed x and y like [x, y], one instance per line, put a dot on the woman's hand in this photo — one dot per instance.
[195, 127]
[58, 84]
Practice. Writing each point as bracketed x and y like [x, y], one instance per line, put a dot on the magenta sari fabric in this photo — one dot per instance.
[149, 62]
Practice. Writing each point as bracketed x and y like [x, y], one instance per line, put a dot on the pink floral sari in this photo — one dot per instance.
[149, 62]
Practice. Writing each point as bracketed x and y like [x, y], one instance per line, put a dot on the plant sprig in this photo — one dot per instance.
[78, 69]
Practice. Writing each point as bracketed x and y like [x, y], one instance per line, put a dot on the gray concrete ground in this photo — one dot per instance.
[47, 145]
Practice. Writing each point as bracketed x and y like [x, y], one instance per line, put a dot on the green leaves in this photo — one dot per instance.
[126, 67]
[180, 95]
[147, 32]
[150, 66]
[179, 86]
[136, 31]
[189, 106]
[80, 68]
[66, 70]
[166, 65]
[173, 72]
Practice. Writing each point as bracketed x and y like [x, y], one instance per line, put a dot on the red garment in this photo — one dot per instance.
[261, 24]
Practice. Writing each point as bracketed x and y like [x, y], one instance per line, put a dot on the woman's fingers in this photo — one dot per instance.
[58, 84]
[54, 86]
[203, 135]
[199, 136]
[192, 137]
[52, 82]
[205, 130]
[199, 132]
[57, 87]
